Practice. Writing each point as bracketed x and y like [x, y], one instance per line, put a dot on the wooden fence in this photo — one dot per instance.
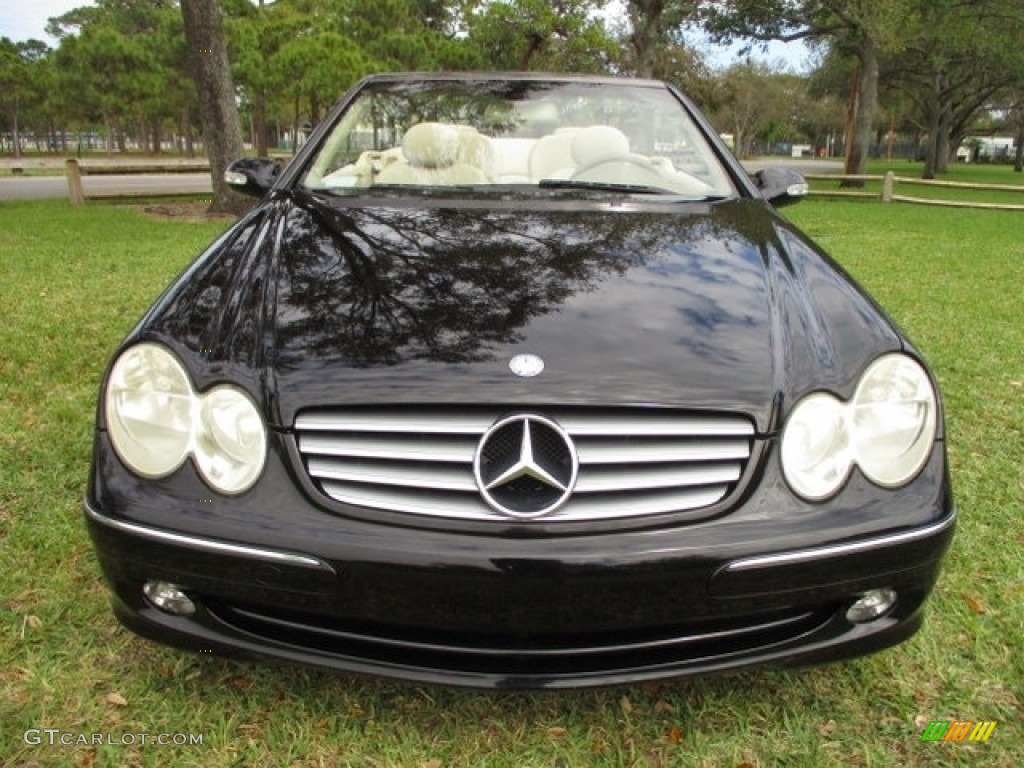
[74, 171]
[890, 180]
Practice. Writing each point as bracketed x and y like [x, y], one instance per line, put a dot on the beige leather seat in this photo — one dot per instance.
[602, 155]
[435, 155]
[552, 157]
[512, 160]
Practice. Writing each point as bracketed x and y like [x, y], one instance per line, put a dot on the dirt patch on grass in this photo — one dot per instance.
[184, 211]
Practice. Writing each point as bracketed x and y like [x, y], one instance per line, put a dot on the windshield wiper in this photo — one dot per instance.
[602, 186]
[665, 195]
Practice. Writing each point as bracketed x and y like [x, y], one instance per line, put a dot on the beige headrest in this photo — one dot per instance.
[431, 145]
[597, 144]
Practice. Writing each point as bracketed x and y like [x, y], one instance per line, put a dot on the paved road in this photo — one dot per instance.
[35, 187]
[801, 165]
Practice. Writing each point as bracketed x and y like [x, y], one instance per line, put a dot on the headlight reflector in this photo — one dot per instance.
[887, 430]
[816, 447]
[156, 420]
[149, 410]
[230, 441]
[893, 420]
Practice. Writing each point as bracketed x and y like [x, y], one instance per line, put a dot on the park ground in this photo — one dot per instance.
[73, 281]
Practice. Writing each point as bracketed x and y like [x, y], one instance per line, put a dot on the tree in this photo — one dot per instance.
[958, 58]
[256, 34]
[564, 35]
[122, 61]
[756, 102]
[222, 131]
[13, 87]
[652, 27]
[863, 28]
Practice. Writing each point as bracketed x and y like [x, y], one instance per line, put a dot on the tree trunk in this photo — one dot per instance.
[259, 106]
[222, 129]
[931, 151]
[314, 108]
[259, 118]
[1018, 161]
[109, 138]
[942, 149]
[867, 98]
[186, 130]
[295, 125]
[645, 17]
[16, 136]
[933, 148]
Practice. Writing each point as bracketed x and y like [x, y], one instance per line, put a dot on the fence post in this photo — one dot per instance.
[887, 186]
[74, 176]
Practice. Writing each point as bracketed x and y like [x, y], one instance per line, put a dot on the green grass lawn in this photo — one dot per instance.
[73, 281]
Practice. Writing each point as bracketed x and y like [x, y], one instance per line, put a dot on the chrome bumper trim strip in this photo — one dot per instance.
[208, 545]
[837, 550]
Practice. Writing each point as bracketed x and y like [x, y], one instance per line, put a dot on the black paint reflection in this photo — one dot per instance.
[384, 286]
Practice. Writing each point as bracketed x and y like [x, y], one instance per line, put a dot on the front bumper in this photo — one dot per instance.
[507, 612]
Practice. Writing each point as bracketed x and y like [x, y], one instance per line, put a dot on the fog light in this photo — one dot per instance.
[872, 605]
[169, 598]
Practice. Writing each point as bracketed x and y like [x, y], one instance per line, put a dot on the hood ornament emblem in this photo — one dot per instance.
[526, 466]
[526, 366]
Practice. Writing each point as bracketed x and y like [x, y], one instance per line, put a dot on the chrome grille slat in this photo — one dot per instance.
[374, 447]
[471, 506]
[651, 426]
[464, 506]
[633, 461]
[610, 479]
[611, 452]
[422, 422]
[434, 476]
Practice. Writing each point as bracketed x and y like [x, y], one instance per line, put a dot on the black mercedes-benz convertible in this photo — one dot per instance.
[518, 381]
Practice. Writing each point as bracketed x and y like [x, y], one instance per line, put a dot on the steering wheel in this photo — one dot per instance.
[636, 160]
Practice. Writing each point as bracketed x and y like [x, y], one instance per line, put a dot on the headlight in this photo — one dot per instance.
[230, 442]
[816, 447]
[893, 420]
[156, 420]
[887, 429]
[149, 410]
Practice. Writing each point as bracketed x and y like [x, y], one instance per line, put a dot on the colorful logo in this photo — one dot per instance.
[958, 730]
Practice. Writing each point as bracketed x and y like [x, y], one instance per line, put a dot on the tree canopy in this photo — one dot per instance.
[121, 69]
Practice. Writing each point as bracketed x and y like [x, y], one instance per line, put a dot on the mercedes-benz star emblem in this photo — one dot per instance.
[526, 466]
[526, 366]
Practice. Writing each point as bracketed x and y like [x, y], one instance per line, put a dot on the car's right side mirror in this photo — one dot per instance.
[252, 175]
[781, 186]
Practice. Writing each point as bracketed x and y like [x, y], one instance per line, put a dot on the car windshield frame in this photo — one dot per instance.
[522, 135]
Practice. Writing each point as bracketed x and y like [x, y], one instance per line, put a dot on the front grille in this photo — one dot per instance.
[632, 461]
[692, 643]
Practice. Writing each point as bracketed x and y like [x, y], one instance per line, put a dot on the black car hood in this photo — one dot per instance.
[715, 306]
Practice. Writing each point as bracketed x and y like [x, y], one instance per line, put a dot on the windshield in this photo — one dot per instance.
[531, 134]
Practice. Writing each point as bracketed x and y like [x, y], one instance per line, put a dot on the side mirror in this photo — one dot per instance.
[252, 175]
[781, 186]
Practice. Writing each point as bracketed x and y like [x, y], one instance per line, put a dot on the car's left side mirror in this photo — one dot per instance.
[781, 186]
[252, 175]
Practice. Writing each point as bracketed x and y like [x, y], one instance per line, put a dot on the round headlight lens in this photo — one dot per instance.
[149, 410]
[231, 443]
[816, 454]
[894, 417]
